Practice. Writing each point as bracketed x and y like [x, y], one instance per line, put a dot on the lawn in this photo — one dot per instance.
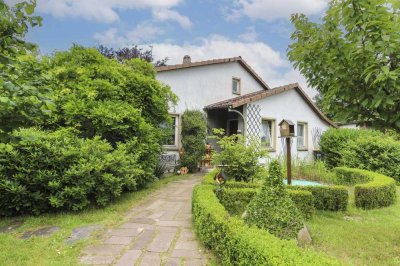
[53, 250]
[359, 237]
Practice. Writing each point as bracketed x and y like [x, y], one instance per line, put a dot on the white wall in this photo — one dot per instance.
[199, 86]
[290, 105]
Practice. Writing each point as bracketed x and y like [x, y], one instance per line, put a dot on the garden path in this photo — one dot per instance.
[158, 232]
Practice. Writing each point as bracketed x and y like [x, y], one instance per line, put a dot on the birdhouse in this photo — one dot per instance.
[286, 128]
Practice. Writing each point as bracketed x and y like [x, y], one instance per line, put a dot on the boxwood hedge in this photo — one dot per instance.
[328, 198]
[376, 191]
[235, 243]
[236, 199]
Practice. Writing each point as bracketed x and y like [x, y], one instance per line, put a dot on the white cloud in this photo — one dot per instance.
[167, 14]
[98, 10]
[271, 9]
[142, 33]
[250, 35]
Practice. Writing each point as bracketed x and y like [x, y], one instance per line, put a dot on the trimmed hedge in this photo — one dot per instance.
[235, 200]
[379, 191]
[329, 198]
[235, 243]
[345, 176]
[304, 201]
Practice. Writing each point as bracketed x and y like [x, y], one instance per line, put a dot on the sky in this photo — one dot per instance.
[257, 30]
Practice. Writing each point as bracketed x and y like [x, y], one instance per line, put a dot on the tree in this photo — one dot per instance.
[194, 133]
[21, 103]
[353, 59]
[128, 53]
[240, 156]
[272, 208]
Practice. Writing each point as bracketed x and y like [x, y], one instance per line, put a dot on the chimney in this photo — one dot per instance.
[186, 60]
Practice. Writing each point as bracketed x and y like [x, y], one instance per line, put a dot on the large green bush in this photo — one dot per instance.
[194, 132]
[334, 141]
[235, 243]
[48, 171]
[272, 208]
[240, 156]
[374, 153]
[102, 136]
[375, 191]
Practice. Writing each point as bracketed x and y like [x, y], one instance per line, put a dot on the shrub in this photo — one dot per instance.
[240, 157]
[235, 243]
[345, 176]
[194, 132]
[303, 200]
[374, 153]
[47, 171]
[329, 198]
[334, 141]
[272, 209]
[378, 191]
[235, 200]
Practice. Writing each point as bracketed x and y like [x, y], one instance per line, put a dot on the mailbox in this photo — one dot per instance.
[286, 128]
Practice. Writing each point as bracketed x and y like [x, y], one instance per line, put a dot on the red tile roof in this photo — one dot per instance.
[238, 59]
[255, 96]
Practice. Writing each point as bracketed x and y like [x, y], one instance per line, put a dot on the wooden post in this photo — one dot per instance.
[289, 161]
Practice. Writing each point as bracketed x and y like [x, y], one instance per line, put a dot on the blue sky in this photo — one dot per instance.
[257, 30]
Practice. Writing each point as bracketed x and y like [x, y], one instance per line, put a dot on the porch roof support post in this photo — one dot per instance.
[239, 113]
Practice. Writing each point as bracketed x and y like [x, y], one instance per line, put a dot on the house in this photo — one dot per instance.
[234, 97]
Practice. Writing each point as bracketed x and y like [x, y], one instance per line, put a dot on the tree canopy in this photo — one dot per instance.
[128, 53]
[353, 59]
[21, 102]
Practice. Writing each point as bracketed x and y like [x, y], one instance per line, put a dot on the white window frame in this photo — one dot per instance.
[272, 146]
[176, 139]
[304, 146]
[239, 85]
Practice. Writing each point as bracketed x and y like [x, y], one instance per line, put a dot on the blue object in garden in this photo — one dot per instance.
[303, 183]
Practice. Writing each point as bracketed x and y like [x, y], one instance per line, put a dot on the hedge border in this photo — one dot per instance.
[235, 200]
[378, 191]
[235, 243]
[327, 198]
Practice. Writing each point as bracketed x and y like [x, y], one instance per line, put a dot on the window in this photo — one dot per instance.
[172, 131]
[302, 136]
[236, 85]
[268, 134]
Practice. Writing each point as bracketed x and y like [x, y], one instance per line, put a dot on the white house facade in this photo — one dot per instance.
[236, 99]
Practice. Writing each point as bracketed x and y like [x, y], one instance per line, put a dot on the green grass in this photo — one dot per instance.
[53, 250]
[366, 238]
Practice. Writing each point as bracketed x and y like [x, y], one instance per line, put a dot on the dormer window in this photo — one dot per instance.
[236, 86]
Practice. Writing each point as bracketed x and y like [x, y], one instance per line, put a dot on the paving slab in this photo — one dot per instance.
[41, 232]
[158, 231]
[143, 240]
[11, 227]
[82, 232]
[129, 258]
[151, 259]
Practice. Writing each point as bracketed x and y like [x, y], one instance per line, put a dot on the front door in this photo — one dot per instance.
[233, 126]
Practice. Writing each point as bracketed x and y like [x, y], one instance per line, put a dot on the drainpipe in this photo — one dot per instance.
[239, 113]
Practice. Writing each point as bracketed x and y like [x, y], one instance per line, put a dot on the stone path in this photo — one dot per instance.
[158, 232]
